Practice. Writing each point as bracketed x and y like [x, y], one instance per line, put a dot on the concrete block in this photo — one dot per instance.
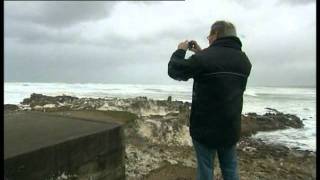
[38, 145]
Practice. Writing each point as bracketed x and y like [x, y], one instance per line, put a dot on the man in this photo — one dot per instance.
[220, 75]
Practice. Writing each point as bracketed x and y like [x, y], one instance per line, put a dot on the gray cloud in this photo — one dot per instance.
[34, 34]
[29, 34]
[78, 63]
[145, 2]
[58, 14]
[296, 2]
[248, 4]
[134, 42]
[253, 4]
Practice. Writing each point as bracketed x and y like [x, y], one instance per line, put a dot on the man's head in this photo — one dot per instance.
[221, 29]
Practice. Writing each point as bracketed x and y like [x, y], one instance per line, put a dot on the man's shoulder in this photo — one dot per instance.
[203, 52]
[218, 50]
[207, 52]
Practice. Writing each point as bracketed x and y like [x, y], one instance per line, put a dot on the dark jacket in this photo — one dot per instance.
[220, 75]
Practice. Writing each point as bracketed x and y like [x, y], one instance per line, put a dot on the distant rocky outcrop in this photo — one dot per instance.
[142, 106]
[10, 107]
[41, 100]
[159, 116]
[270, 121]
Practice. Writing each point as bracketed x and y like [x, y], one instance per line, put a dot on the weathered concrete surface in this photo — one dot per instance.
[41, 145]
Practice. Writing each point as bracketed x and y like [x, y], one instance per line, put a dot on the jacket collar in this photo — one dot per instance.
[228, 41]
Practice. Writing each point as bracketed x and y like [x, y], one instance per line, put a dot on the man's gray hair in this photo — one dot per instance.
[223, 28]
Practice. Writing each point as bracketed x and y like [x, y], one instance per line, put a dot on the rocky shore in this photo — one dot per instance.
[158, 145]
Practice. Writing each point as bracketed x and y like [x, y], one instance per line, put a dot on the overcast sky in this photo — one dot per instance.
[131, 42]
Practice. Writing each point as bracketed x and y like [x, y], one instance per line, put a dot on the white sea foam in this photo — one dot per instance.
[298, 101]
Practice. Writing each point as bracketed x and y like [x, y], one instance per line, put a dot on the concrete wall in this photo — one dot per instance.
[43, 146]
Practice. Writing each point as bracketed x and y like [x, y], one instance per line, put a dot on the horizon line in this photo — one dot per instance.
[183, 83]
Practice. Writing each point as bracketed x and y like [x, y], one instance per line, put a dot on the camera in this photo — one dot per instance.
[191, 45]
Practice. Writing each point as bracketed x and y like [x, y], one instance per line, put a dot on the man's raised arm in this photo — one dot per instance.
[182, 69]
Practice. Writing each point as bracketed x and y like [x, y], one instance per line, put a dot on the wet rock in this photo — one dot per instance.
[41, 100]
[163, 113]
[10, 107]
[270, 121]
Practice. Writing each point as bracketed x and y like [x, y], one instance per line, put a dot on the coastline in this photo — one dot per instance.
[158, 143]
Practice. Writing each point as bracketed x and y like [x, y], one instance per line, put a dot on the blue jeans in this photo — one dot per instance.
[227, 160]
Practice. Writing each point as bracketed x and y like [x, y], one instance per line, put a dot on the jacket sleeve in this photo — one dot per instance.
[182, 69]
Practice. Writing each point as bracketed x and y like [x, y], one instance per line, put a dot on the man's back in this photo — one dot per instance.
[220, 75]
[218, 93]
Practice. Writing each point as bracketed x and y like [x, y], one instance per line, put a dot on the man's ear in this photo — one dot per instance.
[215, 36]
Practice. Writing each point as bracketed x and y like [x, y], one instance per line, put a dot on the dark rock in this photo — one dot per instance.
[177, 113]
[252, 114]
[10, 107]
[252, 122]
[40, 100]
[272, 110]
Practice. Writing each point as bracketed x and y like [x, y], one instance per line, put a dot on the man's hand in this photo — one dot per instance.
[183, 45]
[196, 48]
